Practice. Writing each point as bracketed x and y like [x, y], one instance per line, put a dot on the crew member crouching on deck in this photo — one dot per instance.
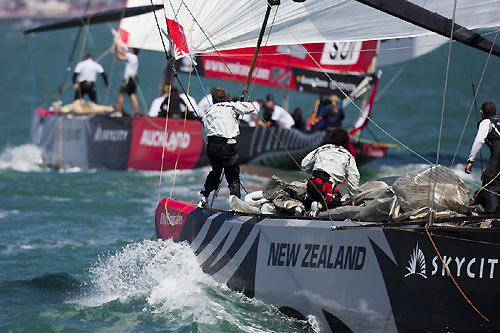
[220, 129]
[330, 165]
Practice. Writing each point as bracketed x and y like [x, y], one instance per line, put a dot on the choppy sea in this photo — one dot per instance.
[76, 247]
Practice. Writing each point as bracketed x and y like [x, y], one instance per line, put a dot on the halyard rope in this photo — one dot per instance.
[451, 275]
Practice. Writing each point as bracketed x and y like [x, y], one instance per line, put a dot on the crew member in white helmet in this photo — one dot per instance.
[85, 76]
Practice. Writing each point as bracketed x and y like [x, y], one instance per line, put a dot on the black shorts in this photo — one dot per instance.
[86, 88]
[129, 86]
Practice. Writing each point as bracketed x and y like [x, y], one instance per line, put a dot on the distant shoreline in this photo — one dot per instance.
[19, 17]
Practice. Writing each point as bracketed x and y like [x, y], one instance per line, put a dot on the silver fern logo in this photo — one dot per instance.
[416, 264]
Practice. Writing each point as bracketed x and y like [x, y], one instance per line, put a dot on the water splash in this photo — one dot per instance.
[167, 276]
[23, 158]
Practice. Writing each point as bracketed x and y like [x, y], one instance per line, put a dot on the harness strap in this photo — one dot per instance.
[326, 186]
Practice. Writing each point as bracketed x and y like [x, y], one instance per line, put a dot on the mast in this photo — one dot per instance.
[270, 3]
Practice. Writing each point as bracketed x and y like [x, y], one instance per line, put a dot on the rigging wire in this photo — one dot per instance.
[359, 109]
[470, 111]
[189, 52]
[442, 112]
[263, 50]
[475, 102]
[166, 117]
[475, 96]
[173, 74]
[36, 68]
[272, 131]
[389, 84]
[72, 54]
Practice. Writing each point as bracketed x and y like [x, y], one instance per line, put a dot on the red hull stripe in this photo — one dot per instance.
[171, 216]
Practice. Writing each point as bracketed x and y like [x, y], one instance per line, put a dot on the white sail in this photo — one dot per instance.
[236, 24]
[141, 31]
[393, 51]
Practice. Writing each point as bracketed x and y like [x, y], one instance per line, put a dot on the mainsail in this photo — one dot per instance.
[221, 25]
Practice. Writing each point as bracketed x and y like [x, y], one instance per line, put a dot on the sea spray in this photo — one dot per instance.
[167, 277]
[24, 158]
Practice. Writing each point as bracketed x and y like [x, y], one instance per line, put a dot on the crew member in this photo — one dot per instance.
[129, 84]
[489, 132]
[330, 165]
[275, 115]
[220, 129]
[85, 76]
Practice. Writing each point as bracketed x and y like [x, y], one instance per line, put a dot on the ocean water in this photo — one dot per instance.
[76, 248]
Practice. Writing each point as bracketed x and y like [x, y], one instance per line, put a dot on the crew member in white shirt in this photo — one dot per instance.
[220, 131]
[489, 132]
[279, 115]
[129, 85]
[155, 107]
[85, 76]
[330, 165]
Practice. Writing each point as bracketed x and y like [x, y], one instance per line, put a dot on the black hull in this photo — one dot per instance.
[103, 142]
[354, 278]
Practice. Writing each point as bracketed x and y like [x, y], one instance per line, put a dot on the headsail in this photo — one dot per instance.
[141, 31]
[217, 23]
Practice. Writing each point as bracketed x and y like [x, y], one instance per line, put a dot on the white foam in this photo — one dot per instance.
[7, 213]
[23, 158]
[168, 276]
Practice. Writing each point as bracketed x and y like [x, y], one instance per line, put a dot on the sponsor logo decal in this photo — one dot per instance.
[319, 256]
[235, 68]
[110, 135]
[466, 267]
[177, 35]
[316, 82]
[341, 53]
[174, 219]
[171, 141]
[416, 264]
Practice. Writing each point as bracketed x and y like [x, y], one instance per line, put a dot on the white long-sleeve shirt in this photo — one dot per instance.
[249, 117]
[203, 105]
[485, 127]
[337, 162]
[222, 119]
